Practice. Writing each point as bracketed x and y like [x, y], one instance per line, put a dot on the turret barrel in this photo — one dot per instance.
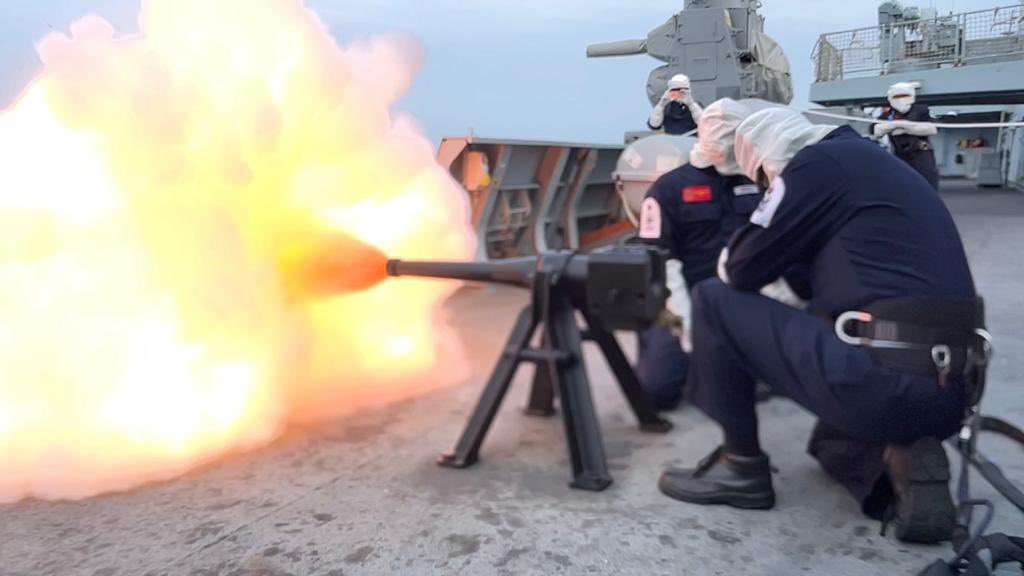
[614, 49]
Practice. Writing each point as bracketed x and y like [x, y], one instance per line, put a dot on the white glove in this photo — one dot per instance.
[679, 301]
[781, 291]
[657, 119]
[695, 109]
[884, 129]
[722, 259]
[914, 128]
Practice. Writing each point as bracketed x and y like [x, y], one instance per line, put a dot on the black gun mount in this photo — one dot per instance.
[621, 288]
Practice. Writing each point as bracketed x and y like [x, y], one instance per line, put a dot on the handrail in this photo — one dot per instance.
[942, 41]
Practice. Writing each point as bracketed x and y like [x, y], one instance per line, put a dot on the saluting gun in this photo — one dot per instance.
[620, 288]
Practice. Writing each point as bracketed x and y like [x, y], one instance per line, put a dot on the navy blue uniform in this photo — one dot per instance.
[914, 150]
[678, 119]
[866, 228]
[699, 211]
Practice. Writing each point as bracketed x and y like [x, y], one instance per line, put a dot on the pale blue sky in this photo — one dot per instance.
[505, 68]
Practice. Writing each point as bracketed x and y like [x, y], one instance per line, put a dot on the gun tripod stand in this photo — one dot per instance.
[556, 297]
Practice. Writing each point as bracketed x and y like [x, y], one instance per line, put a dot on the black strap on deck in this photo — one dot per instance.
[978, 554]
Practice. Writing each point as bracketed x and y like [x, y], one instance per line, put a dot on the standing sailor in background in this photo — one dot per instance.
[691, 212]
[676, 112]
[904, 117]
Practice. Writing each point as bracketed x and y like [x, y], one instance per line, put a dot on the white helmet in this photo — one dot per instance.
[903, 95]
[679, 82]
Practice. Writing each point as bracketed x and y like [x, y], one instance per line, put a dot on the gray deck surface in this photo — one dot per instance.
[362, 495]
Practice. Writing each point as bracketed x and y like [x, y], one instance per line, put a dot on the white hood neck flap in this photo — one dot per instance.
[717, 134]
[768, 140]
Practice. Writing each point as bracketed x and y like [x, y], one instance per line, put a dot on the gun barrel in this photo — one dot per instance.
[623, 288]
[513, 272]
[621, 48]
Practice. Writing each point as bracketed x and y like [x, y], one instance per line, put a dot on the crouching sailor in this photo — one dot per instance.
[880, 354]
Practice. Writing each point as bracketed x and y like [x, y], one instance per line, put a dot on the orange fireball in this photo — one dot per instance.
[152, 185]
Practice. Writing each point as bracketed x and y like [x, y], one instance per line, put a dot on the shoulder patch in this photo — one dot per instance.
[650, 220]
[746, 190]
[697, 194]
[765, 213]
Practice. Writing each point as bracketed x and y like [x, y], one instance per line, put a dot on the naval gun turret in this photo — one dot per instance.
[720, 45]
[530, 197]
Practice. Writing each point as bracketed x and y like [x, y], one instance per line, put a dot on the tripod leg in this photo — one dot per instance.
[638, 399]
[586, 451]
[542, 394]
[467, 450]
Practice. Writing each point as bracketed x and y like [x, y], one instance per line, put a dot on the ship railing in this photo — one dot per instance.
[530, 197]
[943, 41]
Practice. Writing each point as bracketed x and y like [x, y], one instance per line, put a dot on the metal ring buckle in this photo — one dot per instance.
[942, 355]
[852, 316]
[986, 337]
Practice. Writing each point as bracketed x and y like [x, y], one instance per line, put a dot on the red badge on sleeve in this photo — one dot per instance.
[696, 194]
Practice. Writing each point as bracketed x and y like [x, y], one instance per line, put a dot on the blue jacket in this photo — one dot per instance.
[861, 221]
[698, 210]
[678, 119]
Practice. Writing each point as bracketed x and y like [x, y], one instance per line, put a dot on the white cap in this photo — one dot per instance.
[717, 134]
[679, 82]
[903, 95]
[769, 140]
[904, 88]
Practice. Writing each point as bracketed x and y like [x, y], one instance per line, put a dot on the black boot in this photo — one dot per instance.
[922, 509]
[738, 481]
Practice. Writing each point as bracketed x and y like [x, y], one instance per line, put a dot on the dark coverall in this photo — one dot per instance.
[914, 150]
[867, 228]
[678, 119]
[700, 210]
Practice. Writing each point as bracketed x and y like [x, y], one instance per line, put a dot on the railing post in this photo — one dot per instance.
[961, 39]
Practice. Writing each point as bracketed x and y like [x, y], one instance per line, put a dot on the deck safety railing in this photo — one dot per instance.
[944, 41]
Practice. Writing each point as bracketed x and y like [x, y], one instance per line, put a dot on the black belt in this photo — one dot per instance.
[933, 336]
[912, 145]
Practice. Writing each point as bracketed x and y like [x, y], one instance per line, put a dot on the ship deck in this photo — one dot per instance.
[362, 495]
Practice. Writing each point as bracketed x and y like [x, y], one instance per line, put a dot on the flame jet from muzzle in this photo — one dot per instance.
[157, 192]
[328, 265]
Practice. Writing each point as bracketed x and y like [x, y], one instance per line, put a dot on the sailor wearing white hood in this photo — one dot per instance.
[908, 127]
[876, 239]
[676, 112]
[692, 212]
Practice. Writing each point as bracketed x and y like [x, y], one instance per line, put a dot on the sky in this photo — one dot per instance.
[498, 68]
